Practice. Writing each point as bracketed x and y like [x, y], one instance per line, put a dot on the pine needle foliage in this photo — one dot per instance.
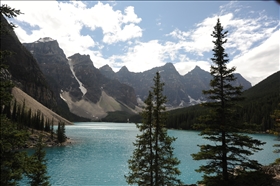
[276, 131]
[13, 161]
[227, 149]
[153, 161]
[38, 169]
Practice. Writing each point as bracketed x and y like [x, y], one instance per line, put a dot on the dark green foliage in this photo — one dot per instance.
[261, 101]
[52, 131]
[47, 126]
[276, 130]
[13, 161]
[61, 137]
[185, 118]
[37, 172]
[253, 115]
[5, 90]
[152, 162]
[120, 117]
[5, 84]
[9, 13]
[228, 149]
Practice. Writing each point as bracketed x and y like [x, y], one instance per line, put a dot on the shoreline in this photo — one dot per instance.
[48, 139]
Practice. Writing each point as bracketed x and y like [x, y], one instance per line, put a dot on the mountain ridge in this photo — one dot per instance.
[81, 86]
[181, 90]
[85, 82]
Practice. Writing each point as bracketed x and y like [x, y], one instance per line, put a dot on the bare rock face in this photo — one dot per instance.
[180, 90]
[94, 82]
[77, 83]
[23, 68]
[54, 64]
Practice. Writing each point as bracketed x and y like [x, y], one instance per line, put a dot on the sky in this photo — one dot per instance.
[145, 34]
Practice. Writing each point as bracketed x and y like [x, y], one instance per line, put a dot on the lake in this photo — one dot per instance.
[99, 152]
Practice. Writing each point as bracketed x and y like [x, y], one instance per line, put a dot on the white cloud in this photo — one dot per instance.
[143, 56]
[64, 22]
[115, 25]
[178, 34]
[186, 65]
[261, 61]
[244, 38]
[128, 32]
[130, 16]
[198, 40]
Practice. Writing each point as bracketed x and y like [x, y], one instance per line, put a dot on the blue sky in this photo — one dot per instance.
[141, 35]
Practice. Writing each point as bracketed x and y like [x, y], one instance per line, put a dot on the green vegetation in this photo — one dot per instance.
[26, 120]
[13, 162]
[276, 131]
[152, 162]
[37, 173]
[253, 114]
[122, 117]
[14, 121]
[228, 153]
[61, 132]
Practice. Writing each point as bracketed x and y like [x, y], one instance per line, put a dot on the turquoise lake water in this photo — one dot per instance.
[99, 152]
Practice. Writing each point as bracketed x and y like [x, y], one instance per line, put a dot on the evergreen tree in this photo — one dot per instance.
[276, 131]
[14, 112]
[142, 168]
[152, 162]
[29, 118]
[61, 137]
[228, 149]
[38, 171]
[13, 161]
[52, 130]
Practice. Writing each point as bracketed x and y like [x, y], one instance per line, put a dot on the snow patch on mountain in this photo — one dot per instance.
[82, 88]
[194, 102]
[44, 40]
[61, 96]
[182, 104]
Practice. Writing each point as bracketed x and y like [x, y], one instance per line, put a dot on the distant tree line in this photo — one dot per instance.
[25, 119]
[252, 116]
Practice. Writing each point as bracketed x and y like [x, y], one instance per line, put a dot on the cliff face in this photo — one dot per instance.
[54, 64]
[180, 90]
[78, 84]
[23, 68]
[94, 82]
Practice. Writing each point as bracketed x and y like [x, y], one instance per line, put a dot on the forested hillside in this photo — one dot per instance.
[259, 103]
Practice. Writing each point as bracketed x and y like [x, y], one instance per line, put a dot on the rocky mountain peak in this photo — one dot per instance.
[106, 68]
[107, 71]
[197, 71]
[197, 68]
[81, 59]
[123, 69]
[169, 67]
[44, 40]
[45, 46]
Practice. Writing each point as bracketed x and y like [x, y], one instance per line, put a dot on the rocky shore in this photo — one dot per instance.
[47, 138]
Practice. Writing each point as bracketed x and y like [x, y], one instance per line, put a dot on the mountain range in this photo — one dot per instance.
[76, 81]
[82, 86]
[74, 88]
[181, 91]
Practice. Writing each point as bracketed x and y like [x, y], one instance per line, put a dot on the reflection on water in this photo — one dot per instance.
[99, 153]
